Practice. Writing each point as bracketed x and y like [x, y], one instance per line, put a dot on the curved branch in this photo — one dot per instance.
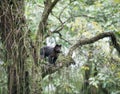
[94, 39]
[49, 5]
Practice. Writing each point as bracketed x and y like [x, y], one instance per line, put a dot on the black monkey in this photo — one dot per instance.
[50, 52]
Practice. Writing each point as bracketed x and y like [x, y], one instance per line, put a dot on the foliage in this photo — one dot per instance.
[3, 79]
[78, 19]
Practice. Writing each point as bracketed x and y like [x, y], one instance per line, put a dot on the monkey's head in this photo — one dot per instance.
[57, 48]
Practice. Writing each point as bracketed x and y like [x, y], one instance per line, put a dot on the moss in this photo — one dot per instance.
[65, 59]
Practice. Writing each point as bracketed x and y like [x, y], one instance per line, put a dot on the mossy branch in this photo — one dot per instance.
[63, 61]
[96, 38]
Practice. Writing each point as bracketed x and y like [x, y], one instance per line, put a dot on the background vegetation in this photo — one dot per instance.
[93, 69]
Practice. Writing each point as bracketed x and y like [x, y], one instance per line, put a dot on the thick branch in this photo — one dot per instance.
[63, 61]
[94, 39]
[47, 10]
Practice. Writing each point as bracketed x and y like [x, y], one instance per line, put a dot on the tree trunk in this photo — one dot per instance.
[11, 31]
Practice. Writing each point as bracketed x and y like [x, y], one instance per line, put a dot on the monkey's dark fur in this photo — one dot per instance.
[51, 52]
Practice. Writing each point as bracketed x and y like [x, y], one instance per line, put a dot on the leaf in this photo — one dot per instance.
[117, 33]
[117, 1]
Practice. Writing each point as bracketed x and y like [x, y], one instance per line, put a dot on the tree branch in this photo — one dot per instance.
[94, 39]
[49, 5]
[63, 61]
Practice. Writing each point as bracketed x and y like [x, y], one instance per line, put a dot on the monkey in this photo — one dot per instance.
[51, 52]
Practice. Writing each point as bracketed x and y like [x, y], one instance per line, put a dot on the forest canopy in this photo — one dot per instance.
[86, 32]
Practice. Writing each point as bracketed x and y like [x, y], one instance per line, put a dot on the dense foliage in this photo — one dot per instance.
[97, 64]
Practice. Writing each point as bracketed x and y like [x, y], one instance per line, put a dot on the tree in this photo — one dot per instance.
[12, 28]
[14, 37]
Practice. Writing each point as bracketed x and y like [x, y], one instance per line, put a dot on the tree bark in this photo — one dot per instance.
[11, 31]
